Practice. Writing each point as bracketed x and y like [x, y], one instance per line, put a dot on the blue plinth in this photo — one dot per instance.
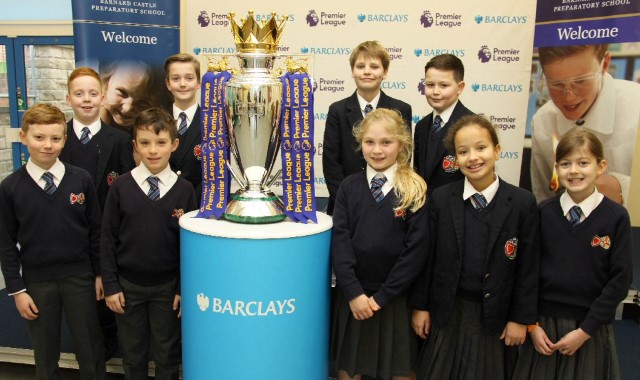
[255, 299]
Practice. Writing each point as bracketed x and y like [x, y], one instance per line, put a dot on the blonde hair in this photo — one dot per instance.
[409, 187]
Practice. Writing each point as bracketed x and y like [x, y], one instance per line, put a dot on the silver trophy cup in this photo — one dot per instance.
[253, 99]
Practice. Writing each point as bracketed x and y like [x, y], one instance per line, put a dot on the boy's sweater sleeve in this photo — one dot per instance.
[9, 253]
[109, 241]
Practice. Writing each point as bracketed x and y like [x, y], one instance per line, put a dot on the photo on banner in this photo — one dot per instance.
[586, 74]
[127, 43]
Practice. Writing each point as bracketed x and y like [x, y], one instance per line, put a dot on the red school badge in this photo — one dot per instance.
[400, 213]
[79, 199]
[604, 242]
[177, 213]
[511, 248]
[197, 151]
[449, 164]
[111, 177]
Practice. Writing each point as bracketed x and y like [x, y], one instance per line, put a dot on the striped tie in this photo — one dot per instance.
[437, 124]
[575, 213]
[50, 187]
[154, 191]
[84, 137]
[183, 123]
[478, 201]
[368, 108]
[376, 187]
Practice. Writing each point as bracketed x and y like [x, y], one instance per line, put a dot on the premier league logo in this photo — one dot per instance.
[312, 18]
[421, 87]
[426, 19]
[203, 19]
[484, 55]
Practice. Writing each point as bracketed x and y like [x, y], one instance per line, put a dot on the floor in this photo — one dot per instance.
[12, 371]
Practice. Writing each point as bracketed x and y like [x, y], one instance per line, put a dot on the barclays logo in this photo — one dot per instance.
[393, 85]
[415, 118]
[325, 50]
[214, 50]
[383, 17]
[500, 19]
[433, 52]
[500, 55]
[509, 155]
[497, 87]
[196, 50]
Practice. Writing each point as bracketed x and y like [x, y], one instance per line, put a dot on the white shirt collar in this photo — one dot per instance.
[140, 174]
[190, 112]
[36, 172]
[389, 173]
[489, 193]
[94, 127]
[587, 206]
[363, 103]
[446, 114]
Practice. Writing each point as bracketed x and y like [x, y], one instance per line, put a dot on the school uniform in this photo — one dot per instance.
[107, 155]
[481, 272]
[140, 256]
[377, 252]
[585, 272]
[435, 164]
[340, 154]
[186, 160]
[58, 235]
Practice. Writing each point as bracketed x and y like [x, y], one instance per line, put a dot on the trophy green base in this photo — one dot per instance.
[254, 207]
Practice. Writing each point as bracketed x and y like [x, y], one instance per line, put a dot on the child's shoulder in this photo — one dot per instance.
[13, 179]
[615, 210]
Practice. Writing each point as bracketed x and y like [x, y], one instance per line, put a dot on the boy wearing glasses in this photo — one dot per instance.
[584, 95]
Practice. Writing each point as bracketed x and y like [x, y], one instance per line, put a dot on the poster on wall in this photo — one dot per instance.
[127, 43]
[492, 40]
[586, 74]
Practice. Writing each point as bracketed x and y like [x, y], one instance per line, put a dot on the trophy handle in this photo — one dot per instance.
[274, 178]
[235, 176]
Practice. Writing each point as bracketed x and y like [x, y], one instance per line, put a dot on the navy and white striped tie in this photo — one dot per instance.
[154, 191]
[575, 213]
[50, 187]
[85, 137]
[478, 201]
[183, 123]
[376, 187]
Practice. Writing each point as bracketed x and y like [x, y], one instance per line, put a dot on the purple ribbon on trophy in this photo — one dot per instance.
[214, 149]
[297, 150]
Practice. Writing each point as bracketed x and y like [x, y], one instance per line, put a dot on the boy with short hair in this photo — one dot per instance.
[340, 157]
[49, 241]
[140, 249]
[444, 82]
[182, 77]
[584, 95]
[102, 150]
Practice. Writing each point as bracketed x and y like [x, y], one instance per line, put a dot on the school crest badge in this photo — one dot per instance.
[401, 213]
[79, 198]
[604, 242]
[511, 248]
[177, 213]
[111, 177]
[449, 164]
[197, 151]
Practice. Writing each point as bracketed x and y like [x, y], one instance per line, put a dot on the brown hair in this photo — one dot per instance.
[579, 138]
[447, 62]
[181, 57]
[43, 114]
[157, 120]
[465, 121]
[82, 72]
[370, 49]
[409, 187]
[550, 54]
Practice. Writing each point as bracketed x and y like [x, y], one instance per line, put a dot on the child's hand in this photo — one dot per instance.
[26, 306]
[176, 304]
[99, 288]
[541, 341]
[570, 343]
[514, 334]
[115, 302]
[360, 307]
[373, 304]
[421, 323]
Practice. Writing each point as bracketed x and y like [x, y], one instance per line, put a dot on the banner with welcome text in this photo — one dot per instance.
[127, 43]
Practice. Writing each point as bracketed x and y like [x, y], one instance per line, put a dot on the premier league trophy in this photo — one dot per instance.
[252, 113]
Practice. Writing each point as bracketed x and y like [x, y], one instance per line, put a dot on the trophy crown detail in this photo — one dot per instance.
[255, 37]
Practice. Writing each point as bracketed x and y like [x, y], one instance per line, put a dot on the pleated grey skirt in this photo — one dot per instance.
[382, 346]
[464, 350]
[597, 359]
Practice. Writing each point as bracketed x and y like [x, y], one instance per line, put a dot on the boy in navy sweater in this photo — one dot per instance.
[49, 240]
[104, 151]
[140, 249]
